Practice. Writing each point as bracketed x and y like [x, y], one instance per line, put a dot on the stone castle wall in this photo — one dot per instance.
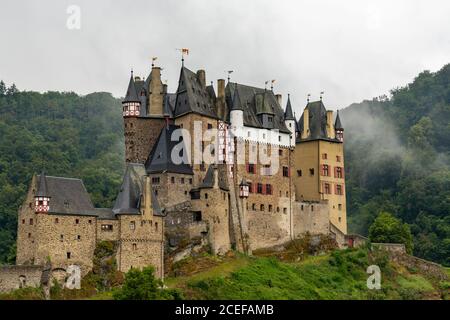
[15, 277]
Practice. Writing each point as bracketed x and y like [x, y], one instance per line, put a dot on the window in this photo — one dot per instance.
[107, 227]
[299, 173]
[29, 235]
[267, 171]
[280, 152]
[270, 208]
[285, 172]
[195, 194]
[261, 207]
[339, 172]
[132, 225]
[268, 189]
[68, 255]
[254, 207]
[206, 196]
[90, 221]
[312, 208]
[278, 209]
[325, 170]
[172, 179]
[77, 221]
[311, 171]
[279, 138]
[250, 187]
[197, 216]
[339, 189]
[210, 126]
[61, 237]
[302, 207]
[23, 221]
[324, 156]
[326, 188]
[56, 220]
[251, 168]
[31, 222]
[339, 207]
[287, 194]
[190, 180]
[78, 237]
[338, 158]
[182, 180]
[284, 210]
[340, 219]
[155, 180]
[259, 188]
[156, 226]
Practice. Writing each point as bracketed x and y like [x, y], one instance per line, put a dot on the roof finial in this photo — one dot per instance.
[271, 84]
[321, 95]
[265, 85]
[153, 61]
[229, 73]
[184, 51]
[307, 97]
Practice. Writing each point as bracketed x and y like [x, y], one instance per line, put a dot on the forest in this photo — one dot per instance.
[397, 155]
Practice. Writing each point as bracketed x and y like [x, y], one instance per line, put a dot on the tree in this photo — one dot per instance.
[12, 90]
[388, 229]
[2, 88]
[142, 285]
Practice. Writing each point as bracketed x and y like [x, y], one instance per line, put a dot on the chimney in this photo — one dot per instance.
[155, 93]
[164, 88]
[147, 208]
[202, 77]
[216, 178]
[305, 133]
[221, 88]
[330, 127]
[279, 99]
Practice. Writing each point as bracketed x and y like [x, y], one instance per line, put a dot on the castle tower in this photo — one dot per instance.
[42, 198]
[289, 120]
[143, 115]
[319, 162]
[237, 112]
[339, 129]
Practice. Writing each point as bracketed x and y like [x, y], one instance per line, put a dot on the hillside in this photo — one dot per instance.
[398, 160]
[337, 275]
[62, 133]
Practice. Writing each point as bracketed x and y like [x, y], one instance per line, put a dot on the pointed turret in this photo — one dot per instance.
[237, 110]
[42, 198]
[131, 104]
[288, 114]
[338, 128]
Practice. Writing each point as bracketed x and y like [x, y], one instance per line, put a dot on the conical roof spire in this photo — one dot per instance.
[237, 105]
[288, 115]
[131, 95]
[42, 189]
[337, 123]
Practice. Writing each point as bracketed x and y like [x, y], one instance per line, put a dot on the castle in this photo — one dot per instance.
[232, 169]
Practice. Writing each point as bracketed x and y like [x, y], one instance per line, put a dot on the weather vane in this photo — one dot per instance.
[321, 95]
[229, 73]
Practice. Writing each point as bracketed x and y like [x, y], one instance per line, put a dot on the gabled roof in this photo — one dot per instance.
[317, 122]
[67, 195]
[131, 95]
[256, 101]
[288, 115]
[337, 123]
[192, 96]
[209, 180]
[160, 158]
[128, 200]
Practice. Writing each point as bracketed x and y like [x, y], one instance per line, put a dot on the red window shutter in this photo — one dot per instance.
[335, 172]
[335, 189]
[343, 172]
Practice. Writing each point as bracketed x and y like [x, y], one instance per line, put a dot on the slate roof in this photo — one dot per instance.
[160, 159]
[131, 95]
[256, 101]
[42, 190]
[236, 103]
[288, 115]
[68, 196]
[192, 96]
[208, 181]
[129, 198]
[105, 214]
[317, 122]
[337, 123]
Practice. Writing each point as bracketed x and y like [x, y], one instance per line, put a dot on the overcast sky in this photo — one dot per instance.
[352, 49]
